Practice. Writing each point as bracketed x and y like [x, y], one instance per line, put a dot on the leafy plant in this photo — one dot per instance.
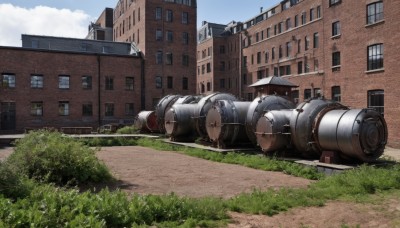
[53, 158]
[128, 130]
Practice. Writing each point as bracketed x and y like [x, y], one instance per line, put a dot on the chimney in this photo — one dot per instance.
[261, 9]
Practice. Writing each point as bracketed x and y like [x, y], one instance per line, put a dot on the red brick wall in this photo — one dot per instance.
[23, 63]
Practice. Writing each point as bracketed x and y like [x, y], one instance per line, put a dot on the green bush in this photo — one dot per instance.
[12, 183]
[107, 142]
[128, 130]
[52, 158]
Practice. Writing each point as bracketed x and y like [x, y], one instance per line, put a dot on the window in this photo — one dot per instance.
[158, 13]
[280, 27]
[185, 18]
[222, 49]
[63, 82]
[208, 67]
[170, 81]
[336, 96]
[273, 53]
[312, 14]
[87, 109]
[244, 61]
[375, 57]
[303, 18]
[298, 45]
[158, 82]
[185, 83]
[129, 83]
[222, 66]
[288, 70]
[129, 109]
[86, 82]
[296, 20]
[258, 57]
[266, 56]
[222, 83]
[35, 43]
[268, 32]
[376, 100]
[170, 36]
[208, 86]
[336, 28]
[334, 2]
[317, 93]
[318, 11]
[306, 43]
[288, 24]
[185, 60]
[316, 40]
[159, 57]
[306, 65]
[276, 71]
[280, 51]
[169, 16]
[260, 74]
[109, 83]
[169, 60]
[249, 96]
[374, 12]
[300, 67]
[109, 109]
[295, 96]
[36, 81]
[307, 94]
[63, 108]
[37, 108]
[185, 38]
[288, 49]
[244, 79]
[336, 59]
[159, 35]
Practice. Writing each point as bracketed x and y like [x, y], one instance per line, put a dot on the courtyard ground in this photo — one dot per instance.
[147, 171]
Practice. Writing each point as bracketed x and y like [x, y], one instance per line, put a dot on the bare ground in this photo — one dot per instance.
[146, 171]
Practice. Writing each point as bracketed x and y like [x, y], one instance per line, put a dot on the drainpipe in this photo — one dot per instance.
[99, 90]
[143, 84]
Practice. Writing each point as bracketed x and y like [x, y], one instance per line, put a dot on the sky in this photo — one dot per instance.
[70, 18]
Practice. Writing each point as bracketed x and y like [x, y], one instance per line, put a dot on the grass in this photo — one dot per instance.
[45, 205]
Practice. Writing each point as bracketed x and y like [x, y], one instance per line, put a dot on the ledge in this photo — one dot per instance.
[375, 71]
[336, 36]
[375, 23]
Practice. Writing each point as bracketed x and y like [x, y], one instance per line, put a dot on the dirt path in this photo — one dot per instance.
[143, 170]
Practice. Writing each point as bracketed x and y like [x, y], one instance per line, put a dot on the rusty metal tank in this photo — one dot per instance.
[179, 122]
[273, 131]
[204, 106]
[225, 122]
[259, 107]
[146, 122]
[358, 134]
[163, 105]
[303, 124]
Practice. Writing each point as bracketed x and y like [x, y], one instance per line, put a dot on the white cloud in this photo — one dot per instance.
[41, 20]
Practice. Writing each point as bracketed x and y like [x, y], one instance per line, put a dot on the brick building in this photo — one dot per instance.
[102, 29]
[62, 82]
[340, 49]
[218, 59]
[165, 33]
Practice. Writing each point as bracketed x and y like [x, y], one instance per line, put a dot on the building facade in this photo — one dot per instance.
[338, 49]
[218, 59]
[102, 29]
[63, 87]
[165, 33]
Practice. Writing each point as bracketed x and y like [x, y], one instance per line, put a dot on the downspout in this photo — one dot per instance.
[240, 66]
[99, 90]
[143, 84]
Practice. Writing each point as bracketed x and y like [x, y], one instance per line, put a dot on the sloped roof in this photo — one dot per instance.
[273, 80]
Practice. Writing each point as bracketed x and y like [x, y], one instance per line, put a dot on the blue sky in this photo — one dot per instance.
[70, 18]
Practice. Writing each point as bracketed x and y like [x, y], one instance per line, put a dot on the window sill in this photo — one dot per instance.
[375, 71]
[336, 37]
[336, 68]
[375, 23]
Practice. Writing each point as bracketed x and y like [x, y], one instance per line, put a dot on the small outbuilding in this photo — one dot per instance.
[273, 85]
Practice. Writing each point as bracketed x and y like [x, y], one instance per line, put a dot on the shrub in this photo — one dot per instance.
[12, 184]
[52, 158]
[128, 130]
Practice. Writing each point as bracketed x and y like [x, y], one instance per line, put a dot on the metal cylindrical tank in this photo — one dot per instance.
[359, 134]
[163, 105]
[146, 121]
[257, 109]
[225, 122]
[179, 122]
[273, 130]
[204, 106]
[303, 124]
